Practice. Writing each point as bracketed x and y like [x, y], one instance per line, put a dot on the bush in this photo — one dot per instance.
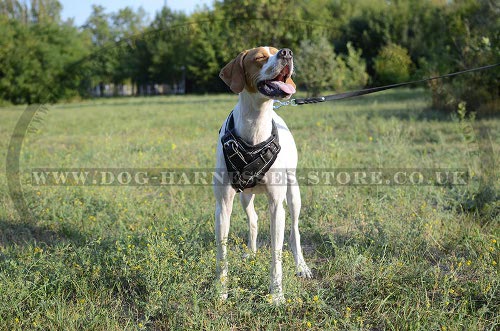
[392, 64]
[478, 89]
[472, 41]
[351, 70]
[313, 59]
[319, 68]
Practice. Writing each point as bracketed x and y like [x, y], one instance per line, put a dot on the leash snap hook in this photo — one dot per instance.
[278, 104]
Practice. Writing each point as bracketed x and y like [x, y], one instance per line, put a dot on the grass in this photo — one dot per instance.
[143, 258]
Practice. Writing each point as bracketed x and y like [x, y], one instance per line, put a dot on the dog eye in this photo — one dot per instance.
[260, 58]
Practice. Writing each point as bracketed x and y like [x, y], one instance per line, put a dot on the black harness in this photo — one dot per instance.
[247, 164]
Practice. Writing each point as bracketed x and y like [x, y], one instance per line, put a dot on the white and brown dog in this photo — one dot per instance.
[259, 76]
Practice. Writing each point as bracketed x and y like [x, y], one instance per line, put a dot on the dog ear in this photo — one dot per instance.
[233, 74]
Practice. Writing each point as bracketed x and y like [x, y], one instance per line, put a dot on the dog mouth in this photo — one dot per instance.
[277, 87]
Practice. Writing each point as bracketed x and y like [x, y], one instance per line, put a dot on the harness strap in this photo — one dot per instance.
[247, 164]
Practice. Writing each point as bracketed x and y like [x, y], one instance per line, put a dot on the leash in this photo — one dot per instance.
[304, 101]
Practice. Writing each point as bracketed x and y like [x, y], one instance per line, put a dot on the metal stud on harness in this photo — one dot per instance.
[247, 164]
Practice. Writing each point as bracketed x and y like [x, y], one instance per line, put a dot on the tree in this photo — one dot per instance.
[35, 49]
[319, 68]
[471, 40]
[41, 55]
[104, 60]
[133, 57]
[392, 64]
[44, 11]
[315, 64]
[218, 35]
[168, 46]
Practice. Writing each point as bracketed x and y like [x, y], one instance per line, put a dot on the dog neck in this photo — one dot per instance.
[253, 117]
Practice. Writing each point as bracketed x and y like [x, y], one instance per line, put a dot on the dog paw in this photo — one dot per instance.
[304, 272]
[248, 255]
[276, 298]
[221, 288]
[223, 296]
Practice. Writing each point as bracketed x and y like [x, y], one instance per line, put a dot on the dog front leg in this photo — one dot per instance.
[223, 209]
[277, 233]
[247, 203]
[294, 204]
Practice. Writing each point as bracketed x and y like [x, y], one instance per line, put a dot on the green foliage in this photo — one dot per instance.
[482, 198]
[350, 72]
[389, 40]
[167, 46]
[316, 65]
[113, 62]
[320, 69]
[218, 36]
[471, 40]
[392, 64]
[34, 54]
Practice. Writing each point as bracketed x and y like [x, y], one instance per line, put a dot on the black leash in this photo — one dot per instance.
[351, 94]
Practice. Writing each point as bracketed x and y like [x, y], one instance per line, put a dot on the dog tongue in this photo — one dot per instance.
[287, 88]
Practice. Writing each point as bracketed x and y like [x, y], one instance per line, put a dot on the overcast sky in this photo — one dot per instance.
[80, 10]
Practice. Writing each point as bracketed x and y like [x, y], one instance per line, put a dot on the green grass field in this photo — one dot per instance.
[143, 258]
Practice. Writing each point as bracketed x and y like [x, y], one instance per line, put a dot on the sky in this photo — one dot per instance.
[80, 10]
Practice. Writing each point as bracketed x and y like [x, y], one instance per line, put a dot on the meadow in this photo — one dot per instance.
[384, 257]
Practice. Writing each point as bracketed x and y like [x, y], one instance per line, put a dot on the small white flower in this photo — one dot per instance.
[486, 41]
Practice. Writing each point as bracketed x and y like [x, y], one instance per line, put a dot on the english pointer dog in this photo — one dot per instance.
[256, 153]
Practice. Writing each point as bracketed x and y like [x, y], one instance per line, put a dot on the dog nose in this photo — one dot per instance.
[285, 53]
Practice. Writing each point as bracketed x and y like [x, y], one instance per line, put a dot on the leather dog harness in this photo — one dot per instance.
[247, 164]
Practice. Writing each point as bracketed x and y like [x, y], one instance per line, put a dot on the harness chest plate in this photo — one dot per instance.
[247, 164]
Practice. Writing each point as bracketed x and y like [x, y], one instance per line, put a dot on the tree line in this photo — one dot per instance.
[339, 45]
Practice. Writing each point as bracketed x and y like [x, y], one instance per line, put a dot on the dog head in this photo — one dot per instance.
[263, 70]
